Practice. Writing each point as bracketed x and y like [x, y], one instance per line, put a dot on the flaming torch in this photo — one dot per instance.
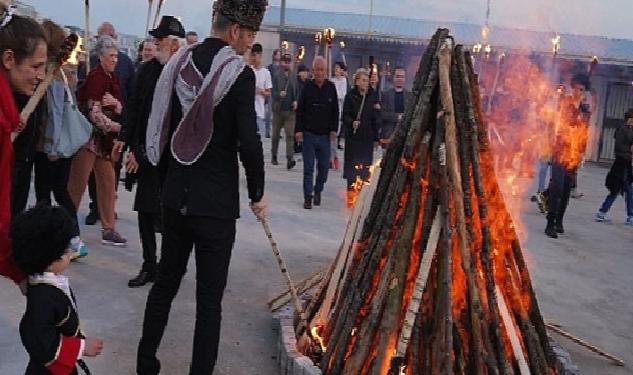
[149, 15]
[318, 37]
[342, 45]
[284, 46]
[328, 34]
[70, 44]
[301, 53]
[158, 9]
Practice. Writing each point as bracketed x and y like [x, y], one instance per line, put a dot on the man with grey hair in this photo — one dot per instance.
[168, 38]
[203, 116]
[317, 126]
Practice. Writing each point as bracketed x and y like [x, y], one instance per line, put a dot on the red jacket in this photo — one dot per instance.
[9, 120]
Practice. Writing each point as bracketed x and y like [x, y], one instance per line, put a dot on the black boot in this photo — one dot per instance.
[307, 202]
[559, 226]
[141, 279]
[92, 217]
[274, 161]
[550, 230]
[317, 198]
[291, 164]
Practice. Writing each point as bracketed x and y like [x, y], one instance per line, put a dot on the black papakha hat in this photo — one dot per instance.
[169, 25]
[246, 13]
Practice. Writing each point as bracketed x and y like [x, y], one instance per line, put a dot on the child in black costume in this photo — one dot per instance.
[50, 328]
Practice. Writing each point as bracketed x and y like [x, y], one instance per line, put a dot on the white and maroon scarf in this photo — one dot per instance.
[198, 95]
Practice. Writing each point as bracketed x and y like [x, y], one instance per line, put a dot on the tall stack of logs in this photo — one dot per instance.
[430, 278]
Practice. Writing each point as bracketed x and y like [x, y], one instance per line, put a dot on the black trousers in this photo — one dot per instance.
[92, 192]
[213, 240]
[147, 223]
[20, 186]
[559, 191]
[52, 177]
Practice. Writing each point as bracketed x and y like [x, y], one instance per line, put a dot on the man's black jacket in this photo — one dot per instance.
[210, 186]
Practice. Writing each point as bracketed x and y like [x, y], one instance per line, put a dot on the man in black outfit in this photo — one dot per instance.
[200, 193]
[317, 126]
[168, 36]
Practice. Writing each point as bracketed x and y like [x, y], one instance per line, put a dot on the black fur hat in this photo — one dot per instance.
[246, 13]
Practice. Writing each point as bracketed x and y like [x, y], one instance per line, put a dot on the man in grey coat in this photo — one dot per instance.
[394, 101]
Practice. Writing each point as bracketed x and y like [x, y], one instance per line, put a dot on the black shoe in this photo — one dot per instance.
[291, 164]
[92, 218]
[559, 228]
[534, 199]
[141, 279]
[550, 231]
[307, 203]
[274, 161]
[317, 199]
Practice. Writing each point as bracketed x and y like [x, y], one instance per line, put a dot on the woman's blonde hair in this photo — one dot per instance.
[360, 72]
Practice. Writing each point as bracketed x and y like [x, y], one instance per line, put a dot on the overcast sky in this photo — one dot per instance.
[612, 18]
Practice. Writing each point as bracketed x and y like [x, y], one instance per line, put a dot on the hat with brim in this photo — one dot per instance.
[169, 26]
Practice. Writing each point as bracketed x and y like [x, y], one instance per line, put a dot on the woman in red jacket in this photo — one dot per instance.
[22, 64]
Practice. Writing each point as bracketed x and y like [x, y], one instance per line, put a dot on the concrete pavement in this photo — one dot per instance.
[583, 281]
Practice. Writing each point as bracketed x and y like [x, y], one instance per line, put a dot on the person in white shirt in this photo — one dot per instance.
[263, 86]
[340, 81]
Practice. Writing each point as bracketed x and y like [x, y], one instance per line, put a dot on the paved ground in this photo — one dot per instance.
[583, 282]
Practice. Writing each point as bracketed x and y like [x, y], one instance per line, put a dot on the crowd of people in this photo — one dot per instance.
[175, 122]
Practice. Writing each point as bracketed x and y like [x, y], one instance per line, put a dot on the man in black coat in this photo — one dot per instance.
[168, 36]
[316, 128]
[200, 194]
[394, 101]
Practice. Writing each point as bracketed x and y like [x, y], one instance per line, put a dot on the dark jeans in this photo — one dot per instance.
[147, 223]
[628, 196]
[52, 177]
[213, 240]
[559, 192]
[20, 186]
[315, 147]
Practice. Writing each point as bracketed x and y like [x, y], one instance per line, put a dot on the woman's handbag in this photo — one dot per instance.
[76, 129]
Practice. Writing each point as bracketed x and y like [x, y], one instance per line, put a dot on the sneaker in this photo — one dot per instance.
[541, 202]
[79, 248]
[112, 238]
[602, 217]
[629, 221]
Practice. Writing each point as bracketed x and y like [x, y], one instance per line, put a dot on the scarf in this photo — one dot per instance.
[9, 120]
[198, 96]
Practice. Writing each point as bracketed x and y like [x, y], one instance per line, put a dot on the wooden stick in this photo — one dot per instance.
[149, 15]
[420, 285]
[584, 344]
[87, 35]
[512, 333]
[458, 194]
[158, 9]
[284, 271]
[302, 286]
[34, 100]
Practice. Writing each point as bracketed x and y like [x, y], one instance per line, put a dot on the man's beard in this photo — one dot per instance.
[163, 56]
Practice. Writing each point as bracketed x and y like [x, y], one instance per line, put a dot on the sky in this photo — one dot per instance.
[611, 18]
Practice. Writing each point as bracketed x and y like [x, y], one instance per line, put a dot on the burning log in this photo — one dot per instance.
[436, 282]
